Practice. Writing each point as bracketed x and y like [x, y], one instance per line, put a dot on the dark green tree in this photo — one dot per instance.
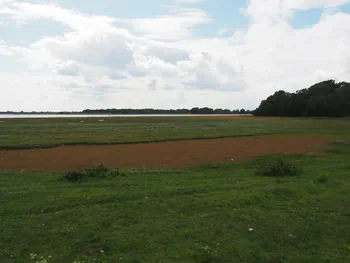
[324, 99]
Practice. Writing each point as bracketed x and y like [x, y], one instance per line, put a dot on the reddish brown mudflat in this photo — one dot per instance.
[159, 155]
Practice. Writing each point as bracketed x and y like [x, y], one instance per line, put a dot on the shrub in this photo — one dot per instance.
[322, 178]
[278, 169]
[96, 172]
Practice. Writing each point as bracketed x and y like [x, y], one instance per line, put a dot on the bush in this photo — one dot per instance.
[278, 169]
[96, 172]
[322, 178]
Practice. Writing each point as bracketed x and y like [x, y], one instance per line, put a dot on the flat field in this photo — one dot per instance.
[34, 133]
[179, 199]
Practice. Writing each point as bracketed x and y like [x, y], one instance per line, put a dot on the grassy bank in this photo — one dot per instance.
[205, 214]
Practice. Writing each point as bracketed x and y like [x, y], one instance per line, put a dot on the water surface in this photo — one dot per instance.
[40, 116]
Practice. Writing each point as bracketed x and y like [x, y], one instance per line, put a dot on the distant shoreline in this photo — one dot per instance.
[81, 115]
[131, 111]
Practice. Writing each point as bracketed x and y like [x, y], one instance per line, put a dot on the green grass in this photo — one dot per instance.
[30, 133]
[206, 214]
[212, 213]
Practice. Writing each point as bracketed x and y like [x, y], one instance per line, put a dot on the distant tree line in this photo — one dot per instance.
[113, 111]
[196, 110]
[324, 99]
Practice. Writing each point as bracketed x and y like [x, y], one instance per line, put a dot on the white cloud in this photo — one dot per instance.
[156, 62]
[178, 24]
[69, 68]
[102, 48]
[224, 31]
[207, 72]
[188, 1]
[23, 12]
[304, 5]
[4, 49]
[273, 11]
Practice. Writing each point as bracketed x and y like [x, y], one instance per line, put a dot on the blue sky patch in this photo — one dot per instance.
[306, 18]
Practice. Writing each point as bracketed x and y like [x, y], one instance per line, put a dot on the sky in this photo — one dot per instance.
[60, 55]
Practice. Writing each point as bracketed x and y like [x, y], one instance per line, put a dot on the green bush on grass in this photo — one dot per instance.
[97, 172]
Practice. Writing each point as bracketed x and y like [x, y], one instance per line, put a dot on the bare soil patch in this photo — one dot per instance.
[158, 155]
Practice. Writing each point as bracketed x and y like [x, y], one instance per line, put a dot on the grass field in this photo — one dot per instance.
[211, 213]
[29, 133]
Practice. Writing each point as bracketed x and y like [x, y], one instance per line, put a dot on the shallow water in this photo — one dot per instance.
[35, 116]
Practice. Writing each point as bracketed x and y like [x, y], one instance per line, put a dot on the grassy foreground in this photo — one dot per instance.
[206, 214]
[29, 133]
[222, 213]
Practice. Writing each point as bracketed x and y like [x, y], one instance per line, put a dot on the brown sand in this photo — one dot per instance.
[158, 155]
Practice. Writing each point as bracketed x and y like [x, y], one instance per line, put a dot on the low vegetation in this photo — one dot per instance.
[92, 173]
[322, 178]
[278, 168]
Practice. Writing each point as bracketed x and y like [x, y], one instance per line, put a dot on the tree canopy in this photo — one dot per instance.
[324, 99]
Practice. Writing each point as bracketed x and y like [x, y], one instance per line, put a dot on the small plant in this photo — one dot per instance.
[96, 172]
[322, 178]
[38, 259]
[278, 169]
[206, 255]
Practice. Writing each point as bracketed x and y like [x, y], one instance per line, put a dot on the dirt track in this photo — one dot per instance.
[156, 155]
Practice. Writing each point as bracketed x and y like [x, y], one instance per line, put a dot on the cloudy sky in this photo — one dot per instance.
[77, 54]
